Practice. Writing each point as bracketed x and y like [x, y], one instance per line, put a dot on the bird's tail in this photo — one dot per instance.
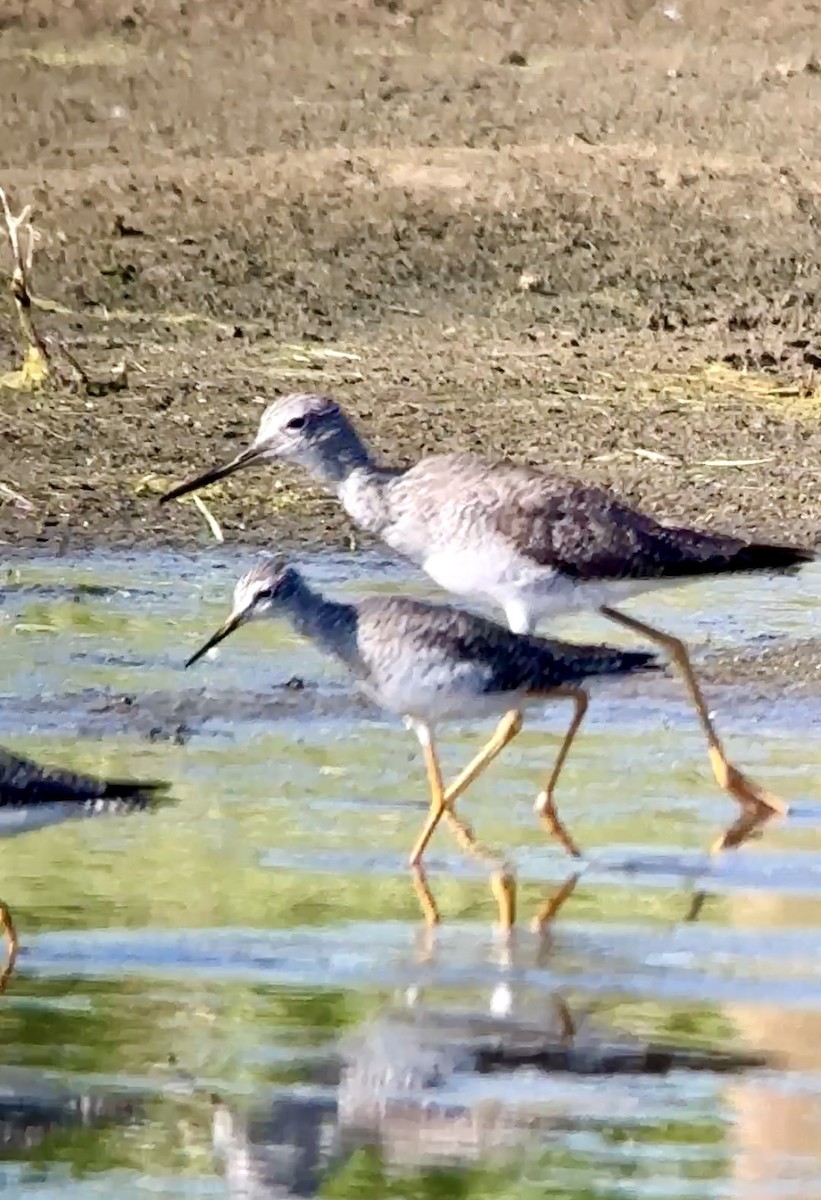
[586, 661]
[129, 795]
[621, 662]
[688, 552]
[760, 556]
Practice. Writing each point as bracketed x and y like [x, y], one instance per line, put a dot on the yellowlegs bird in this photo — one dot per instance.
[32, 797]
[535, 544]
[428, 663]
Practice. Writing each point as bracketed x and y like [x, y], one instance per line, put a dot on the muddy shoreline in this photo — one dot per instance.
[586, 244]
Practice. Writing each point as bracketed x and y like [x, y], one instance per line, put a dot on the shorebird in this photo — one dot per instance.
[535, 544]
[33, 796]
[429, 663]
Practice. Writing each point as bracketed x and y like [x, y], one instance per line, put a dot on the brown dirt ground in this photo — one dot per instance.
[243, 199]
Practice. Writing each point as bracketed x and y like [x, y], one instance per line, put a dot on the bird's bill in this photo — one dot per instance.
[246, 458]
[233, 622]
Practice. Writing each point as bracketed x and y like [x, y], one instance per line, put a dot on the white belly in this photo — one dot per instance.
[574, 596]
[493, 574]
[27, 817]
[526, 592]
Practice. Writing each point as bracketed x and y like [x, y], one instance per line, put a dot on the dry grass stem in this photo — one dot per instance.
[23, 238]
[37, 359]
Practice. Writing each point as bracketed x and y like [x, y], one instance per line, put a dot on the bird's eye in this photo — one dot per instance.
[295, 423]
[265, 594]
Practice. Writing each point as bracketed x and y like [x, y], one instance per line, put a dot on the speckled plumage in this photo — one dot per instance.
[32, 795]
[533, 543]
[427, 661]
[430, 663]
[393, 627]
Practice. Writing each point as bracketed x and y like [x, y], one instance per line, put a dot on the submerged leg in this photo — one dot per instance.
[550, 908]
[502, 883]
[7, 926]
[564, 1020]
[754, 800]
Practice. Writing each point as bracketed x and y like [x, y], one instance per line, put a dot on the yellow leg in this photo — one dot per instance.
[545, 804]
[503, 887]
[425, 896]
[502, 882]
[507, 729]
[754, 800]
[504, 733]
[7, 925]
[743, 829]
[438, 803]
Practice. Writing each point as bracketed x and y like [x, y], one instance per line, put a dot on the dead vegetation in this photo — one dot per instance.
[38, 365]
[23, 237]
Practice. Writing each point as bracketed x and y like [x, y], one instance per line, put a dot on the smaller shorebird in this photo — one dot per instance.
[534, 544]
[429, 663]
[32, 797]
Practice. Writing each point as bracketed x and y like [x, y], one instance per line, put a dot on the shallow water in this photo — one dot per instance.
[225, 945]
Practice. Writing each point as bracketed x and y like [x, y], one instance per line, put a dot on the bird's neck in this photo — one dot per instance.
[330, 625]
[334, 459]
[343, 464]
[365, 494]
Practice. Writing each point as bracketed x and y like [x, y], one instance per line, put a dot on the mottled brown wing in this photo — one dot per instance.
[587, 533]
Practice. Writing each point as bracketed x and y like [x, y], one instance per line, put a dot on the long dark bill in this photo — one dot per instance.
[246, 458]
[233, 622]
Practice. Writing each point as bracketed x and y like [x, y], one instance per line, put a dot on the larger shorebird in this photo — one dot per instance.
[532, 543]
[430, 663]
[33, 796]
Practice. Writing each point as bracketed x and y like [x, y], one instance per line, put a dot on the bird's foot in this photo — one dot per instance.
[751, 797]
[744, 829]
[546, 809]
